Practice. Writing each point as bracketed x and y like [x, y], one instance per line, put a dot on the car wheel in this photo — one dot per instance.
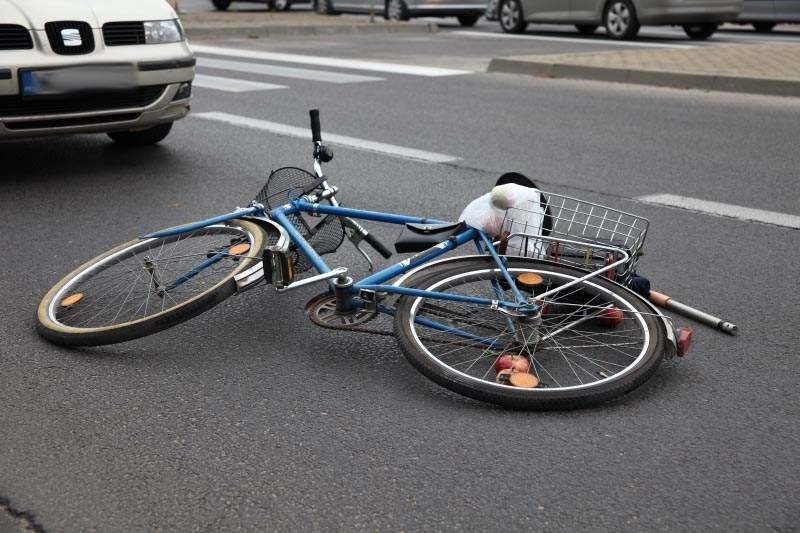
[491, 10]
[324, 7]
[763, 27]
[586, 29]
[620, 19]
[512, 19]
[281, 5]
[221, 5]
[146, 137]
[700, 31]
[396, 10]
[468, 20]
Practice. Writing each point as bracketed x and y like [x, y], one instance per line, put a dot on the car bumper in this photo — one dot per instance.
[158, 94]
[688, 12]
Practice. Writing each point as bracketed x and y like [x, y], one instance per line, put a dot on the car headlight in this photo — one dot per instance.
[162, 31]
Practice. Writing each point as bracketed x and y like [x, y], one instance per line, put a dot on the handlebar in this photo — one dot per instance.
[316, 131]
[323, 154]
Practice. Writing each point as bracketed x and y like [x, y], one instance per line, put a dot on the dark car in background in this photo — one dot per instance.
[764, 15]
[273, 5]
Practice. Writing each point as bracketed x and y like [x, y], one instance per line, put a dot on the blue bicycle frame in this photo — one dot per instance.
[376, 282]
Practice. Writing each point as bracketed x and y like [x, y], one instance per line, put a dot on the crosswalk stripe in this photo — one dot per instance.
[232, 85]
[334, 139]
[581, 40]
[283, 72]
[723, 210]
[352, 64]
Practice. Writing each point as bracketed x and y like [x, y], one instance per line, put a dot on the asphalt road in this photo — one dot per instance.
[249, 417]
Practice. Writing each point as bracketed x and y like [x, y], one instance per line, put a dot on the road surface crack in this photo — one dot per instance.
[24, 520]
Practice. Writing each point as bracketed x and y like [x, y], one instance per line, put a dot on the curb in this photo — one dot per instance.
[679, 80]
[284, 31]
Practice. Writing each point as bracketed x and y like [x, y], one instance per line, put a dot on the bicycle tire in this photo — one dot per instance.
[68, 331]
[430, 364]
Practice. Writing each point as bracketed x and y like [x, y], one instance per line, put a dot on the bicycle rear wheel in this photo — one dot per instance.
[147, 285]
[596, 340]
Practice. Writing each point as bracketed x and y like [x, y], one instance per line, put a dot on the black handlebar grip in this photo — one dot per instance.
[316, 134]
[378, 245]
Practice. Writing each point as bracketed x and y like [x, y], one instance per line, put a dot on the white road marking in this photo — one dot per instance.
[232, 85]
[283, 72]
[585, 40]
[340, 140]
[723, 210]
[353, 64]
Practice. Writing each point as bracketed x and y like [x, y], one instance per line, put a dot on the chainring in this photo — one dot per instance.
[322, 311]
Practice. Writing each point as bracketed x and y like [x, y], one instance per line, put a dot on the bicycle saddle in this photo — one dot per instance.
[419, 237]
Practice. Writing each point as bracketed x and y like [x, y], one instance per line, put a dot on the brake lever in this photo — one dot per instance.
[355, 234]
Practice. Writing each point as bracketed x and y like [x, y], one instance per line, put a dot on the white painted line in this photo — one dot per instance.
[584, 40]
[232, 85]
[283, 72]
[340, 140]
[723, 210]
[353, 64]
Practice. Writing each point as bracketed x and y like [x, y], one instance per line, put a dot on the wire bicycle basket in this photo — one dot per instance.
[324, 233]
[575, 232]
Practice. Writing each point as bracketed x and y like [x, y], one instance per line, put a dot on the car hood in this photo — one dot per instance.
[33, 14]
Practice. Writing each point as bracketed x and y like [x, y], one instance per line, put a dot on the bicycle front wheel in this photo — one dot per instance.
[595, 340]
[147, 285]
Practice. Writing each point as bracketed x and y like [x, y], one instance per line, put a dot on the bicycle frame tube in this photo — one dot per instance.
[376, 282]
[177, 230]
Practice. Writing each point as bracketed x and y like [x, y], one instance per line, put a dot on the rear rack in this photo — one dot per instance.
[577, 233]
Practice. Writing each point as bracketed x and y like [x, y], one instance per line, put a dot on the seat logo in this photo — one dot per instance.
[71, 37]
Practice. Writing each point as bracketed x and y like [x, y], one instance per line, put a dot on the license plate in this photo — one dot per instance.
[86, 78]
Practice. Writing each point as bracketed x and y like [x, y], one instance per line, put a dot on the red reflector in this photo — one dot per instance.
[684, 338]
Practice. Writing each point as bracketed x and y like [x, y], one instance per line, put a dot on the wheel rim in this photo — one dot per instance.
[585, 355]
[322, 6]
[509, 15]
[123, 289]
[280, 5]
[618, 18]
[395, 10]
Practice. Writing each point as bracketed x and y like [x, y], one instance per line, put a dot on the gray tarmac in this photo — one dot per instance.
[250, 418]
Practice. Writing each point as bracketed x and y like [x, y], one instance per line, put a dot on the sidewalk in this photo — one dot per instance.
[771, 69]
[227, 24]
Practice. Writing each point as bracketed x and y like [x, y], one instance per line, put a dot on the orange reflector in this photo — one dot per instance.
[72, 299]
[239, 249]
[529, 280]
[523, 380]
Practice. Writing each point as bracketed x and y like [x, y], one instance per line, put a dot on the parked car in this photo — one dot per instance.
[93, 66]
[467, 11]
[621, 18]
[766, 14]
[274, 5]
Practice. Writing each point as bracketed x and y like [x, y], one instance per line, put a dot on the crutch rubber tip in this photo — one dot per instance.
[683, 338]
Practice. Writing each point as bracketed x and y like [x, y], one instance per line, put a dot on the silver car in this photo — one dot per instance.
[467, 11]
[766, 14]
[120, 67]
[621, 18]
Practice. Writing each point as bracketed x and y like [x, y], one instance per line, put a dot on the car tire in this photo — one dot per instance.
[763, 27]
[281, 5]
[396, 10]
[699, 32]
[468, 20]
[586, 29]
[146, 137]
[324, 7]
[221, 5]
[511, 16]
[620, 20]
